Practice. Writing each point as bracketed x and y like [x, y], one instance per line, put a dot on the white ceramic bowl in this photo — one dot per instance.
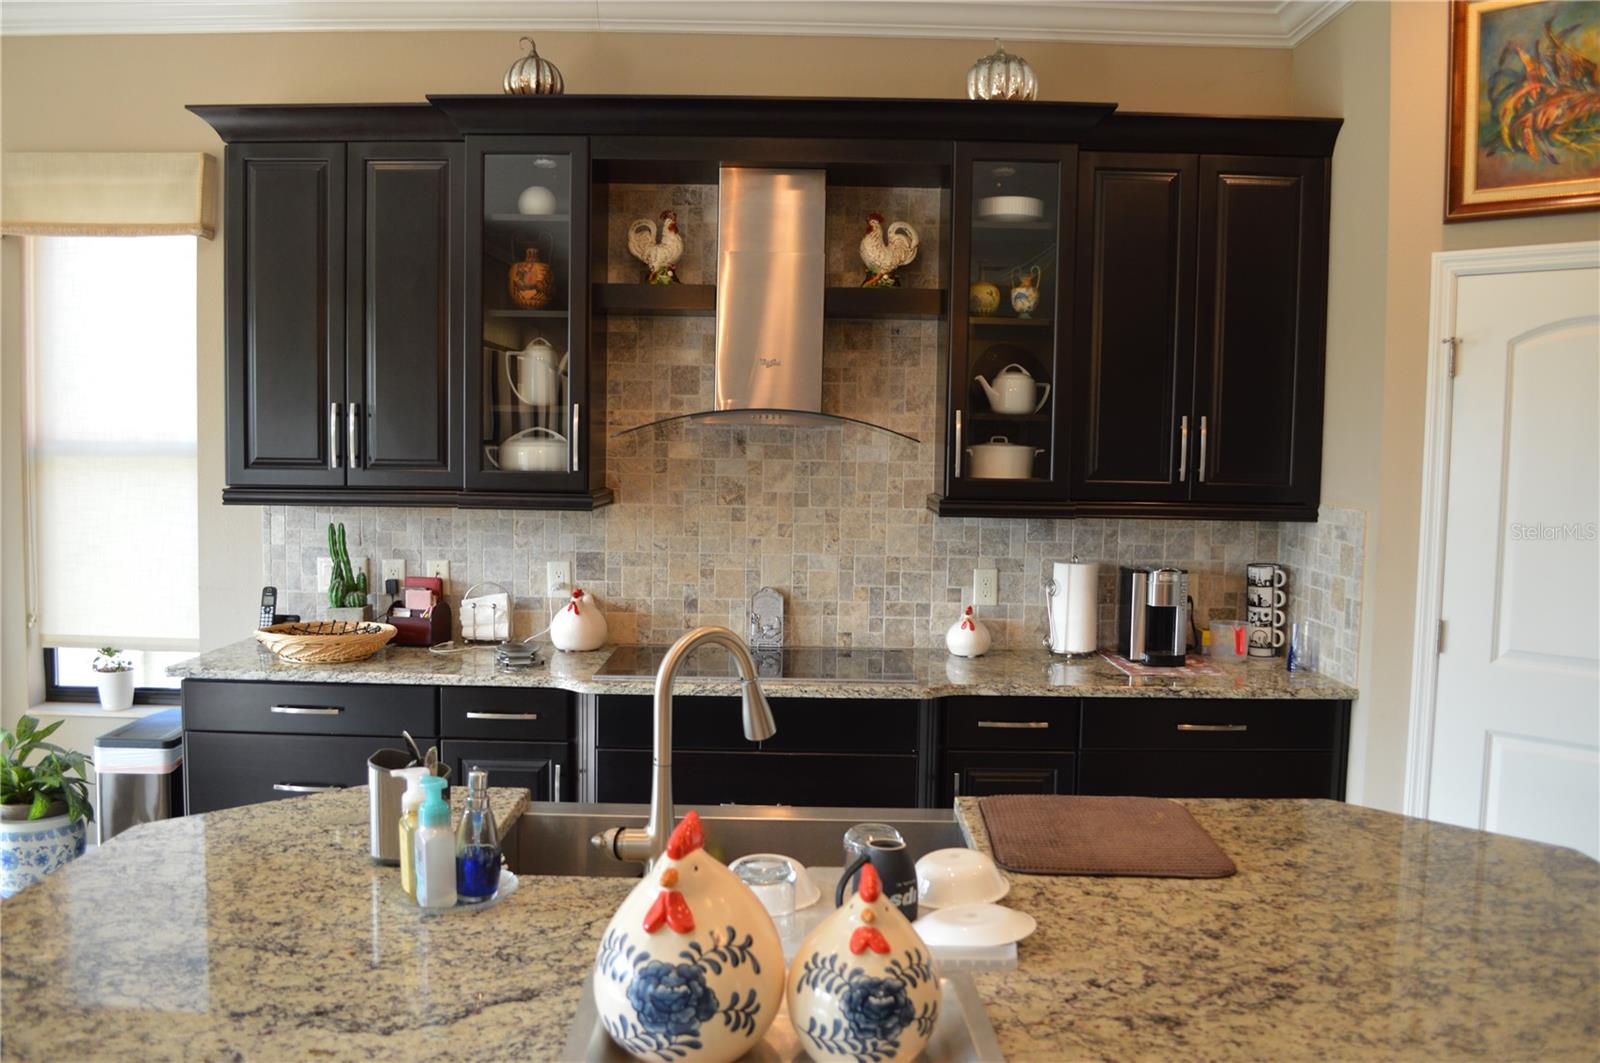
[948, 877]
[1010, 208]
[806, 891]
[973, 926]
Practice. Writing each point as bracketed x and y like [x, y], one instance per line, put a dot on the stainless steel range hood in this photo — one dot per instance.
[770, 265]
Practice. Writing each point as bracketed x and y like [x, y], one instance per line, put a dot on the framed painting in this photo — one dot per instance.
[1524, 108]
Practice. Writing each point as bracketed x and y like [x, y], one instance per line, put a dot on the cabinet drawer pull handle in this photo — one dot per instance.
[955, 783]
[1202, 465]
[306, 710]
[502, 715]
[1016, 725]
[1230, 727]
[333, 435]
[576, 414]
[958, 444]
[555, 783]
[1183, 449]
[299, 788]
[353, 424]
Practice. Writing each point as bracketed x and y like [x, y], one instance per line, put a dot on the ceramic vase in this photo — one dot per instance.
[531, 283]
[863, 985]
[967, 637]
[32, 848]
[691, 966]
[579, 626]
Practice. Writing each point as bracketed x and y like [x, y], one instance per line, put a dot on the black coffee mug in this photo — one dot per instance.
[895, 869]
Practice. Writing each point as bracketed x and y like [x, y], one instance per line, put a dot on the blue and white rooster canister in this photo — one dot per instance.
[863, 985]
[691, 966]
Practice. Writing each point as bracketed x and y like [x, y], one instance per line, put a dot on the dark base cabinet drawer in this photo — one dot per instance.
[988, 774]
[817, 725]
[310, 708]
[764, 779]
[1224, 773]
[1210, 723]
[228, 770]
[508, 713]
[1010, 723]
[544, 769]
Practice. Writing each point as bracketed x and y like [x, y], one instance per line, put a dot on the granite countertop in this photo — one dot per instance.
[1016, 673]
[266, 933]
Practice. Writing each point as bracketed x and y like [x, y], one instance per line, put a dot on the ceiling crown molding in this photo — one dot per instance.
[1213, 23]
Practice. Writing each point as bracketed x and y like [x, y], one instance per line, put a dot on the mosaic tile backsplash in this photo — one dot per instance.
[834, 517]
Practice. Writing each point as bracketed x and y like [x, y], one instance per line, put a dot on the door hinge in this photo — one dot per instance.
[1454, 343]
[1440, 648]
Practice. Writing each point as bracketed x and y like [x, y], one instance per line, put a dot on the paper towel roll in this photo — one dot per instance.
[1073, 625]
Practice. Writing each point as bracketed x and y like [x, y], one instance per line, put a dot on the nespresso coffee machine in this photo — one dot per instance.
[1153, 615]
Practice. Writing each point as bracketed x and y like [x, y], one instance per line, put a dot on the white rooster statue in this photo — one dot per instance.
[885, 251]
[658, 256]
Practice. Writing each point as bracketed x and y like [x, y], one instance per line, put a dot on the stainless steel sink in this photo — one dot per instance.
[552, 838]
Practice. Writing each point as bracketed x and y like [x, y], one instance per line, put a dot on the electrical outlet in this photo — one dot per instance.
[984, 582]
[324, 574]
[393, 569]
[557, 577]
[439, 570]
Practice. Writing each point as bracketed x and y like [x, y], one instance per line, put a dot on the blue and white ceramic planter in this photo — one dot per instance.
[32, 848]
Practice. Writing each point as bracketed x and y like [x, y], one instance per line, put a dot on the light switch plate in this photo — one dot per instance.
[557, 578]
[439, 570]
[393, 569]
[984, 581]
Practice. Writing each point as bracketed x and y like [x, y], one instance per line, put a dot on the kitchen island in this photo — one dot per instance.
[265, 933]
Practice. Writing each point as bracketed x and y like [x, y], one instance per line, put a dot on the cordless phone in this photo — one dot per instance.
[269, 606]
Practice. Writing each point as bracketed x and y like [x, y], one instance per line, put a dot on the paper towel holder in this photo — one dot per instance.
[1057, 644]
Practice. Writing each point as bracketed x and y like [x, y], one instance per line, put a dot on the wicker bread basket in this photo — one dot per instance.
[325, 641]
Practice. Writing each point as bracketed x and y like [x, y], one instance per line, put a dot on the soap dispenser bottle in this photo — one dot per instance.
[410, 801]
[435, 849]
[477, 844]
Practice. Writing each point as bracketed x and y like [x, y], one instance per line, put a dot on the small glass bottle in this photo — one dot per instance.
[477, 844]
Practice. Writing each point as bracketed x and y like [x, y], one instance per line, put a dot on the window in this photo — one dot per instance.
[112, 440]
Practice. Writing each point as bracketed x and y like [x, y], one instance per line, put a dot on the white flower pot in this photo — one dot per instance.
[32, 848]
[116, 690]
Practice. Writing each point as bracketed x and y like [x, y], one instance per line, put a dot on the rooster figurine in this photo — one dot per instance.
[658, 256]
[886, 250]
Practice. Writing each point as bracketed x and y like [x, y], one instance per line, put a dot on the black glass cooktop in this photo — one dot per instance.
[812, 663]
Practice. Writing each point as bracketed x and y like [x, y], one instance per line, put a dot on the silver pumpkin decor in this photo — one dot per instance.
[533, 74]
[1002, 76]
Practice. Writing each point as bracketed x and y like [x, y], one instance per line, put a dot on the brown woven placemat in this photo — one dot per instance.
[1057, 835]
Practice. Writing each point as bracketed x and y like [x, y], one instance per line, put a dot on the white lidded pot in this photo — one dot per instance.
[579, 626]
[1001, 459]
[1014, 391]
[691, 966]
[534, 373]
[967, 637]
[528, 451]
[863, 985]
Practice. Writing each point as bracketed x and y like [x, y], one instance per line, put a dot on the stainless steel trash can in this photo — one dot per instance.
[139, 773]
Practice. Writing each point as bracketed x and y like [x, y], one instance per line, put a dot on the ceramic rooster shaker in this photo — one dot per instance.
[691, 966]
[967, 637]
[658, 251]
[885, 250]
[863, 985]
[580, 625]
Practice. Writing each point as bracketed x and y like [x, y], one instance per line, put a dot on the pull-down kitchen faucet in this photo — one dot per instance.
[634, 843]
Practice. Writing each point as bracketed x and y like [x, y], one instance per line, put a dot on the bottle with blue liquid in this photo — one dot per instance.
[477, 844]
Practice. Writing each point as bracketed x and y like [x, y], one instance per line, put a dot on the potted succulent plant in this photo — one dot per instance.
[44, 806]
[114, 675]
[347, 590]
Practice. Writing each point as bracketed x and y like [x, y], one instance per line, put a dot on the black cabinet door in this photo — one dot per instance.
[1133, 364]
[1262, 280]
[544, 769]
[814, 779]
[1221, 773]
[984, 774]
[285, 328]
[226, 770]
[404, 307]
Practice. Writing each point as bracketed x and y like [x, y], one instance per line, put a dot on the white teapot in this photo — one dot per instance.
[863, 985]
[691, 966]
[580, 625]
[1014, 391]
[539, 373]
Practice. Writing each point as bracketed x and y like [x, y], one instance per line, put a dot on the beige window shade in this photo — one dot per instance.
[107, 194]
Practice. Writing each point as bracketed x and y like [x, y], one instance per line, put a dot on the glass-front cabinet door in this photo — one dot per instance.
[527, 365]
[1013, 217]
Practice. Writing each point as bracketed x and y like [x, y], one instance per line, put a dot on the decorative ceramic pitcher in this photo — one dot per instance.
[691, 966]
[863, 985]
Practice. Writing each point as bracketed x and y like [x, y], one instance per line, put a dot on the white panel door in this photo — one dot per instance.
[1516, 745]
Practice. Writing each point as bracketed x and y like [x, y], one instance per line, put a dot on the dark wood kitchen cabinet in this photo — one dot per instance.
[1006, 746]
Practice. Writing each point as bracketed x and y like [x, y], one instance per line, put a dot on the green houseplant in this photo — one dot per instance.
[347, 590]
[114, 677]
[44, 806]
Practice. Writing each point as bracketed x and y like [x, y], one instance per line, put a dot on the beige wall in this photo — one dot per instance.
[1383, 67]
